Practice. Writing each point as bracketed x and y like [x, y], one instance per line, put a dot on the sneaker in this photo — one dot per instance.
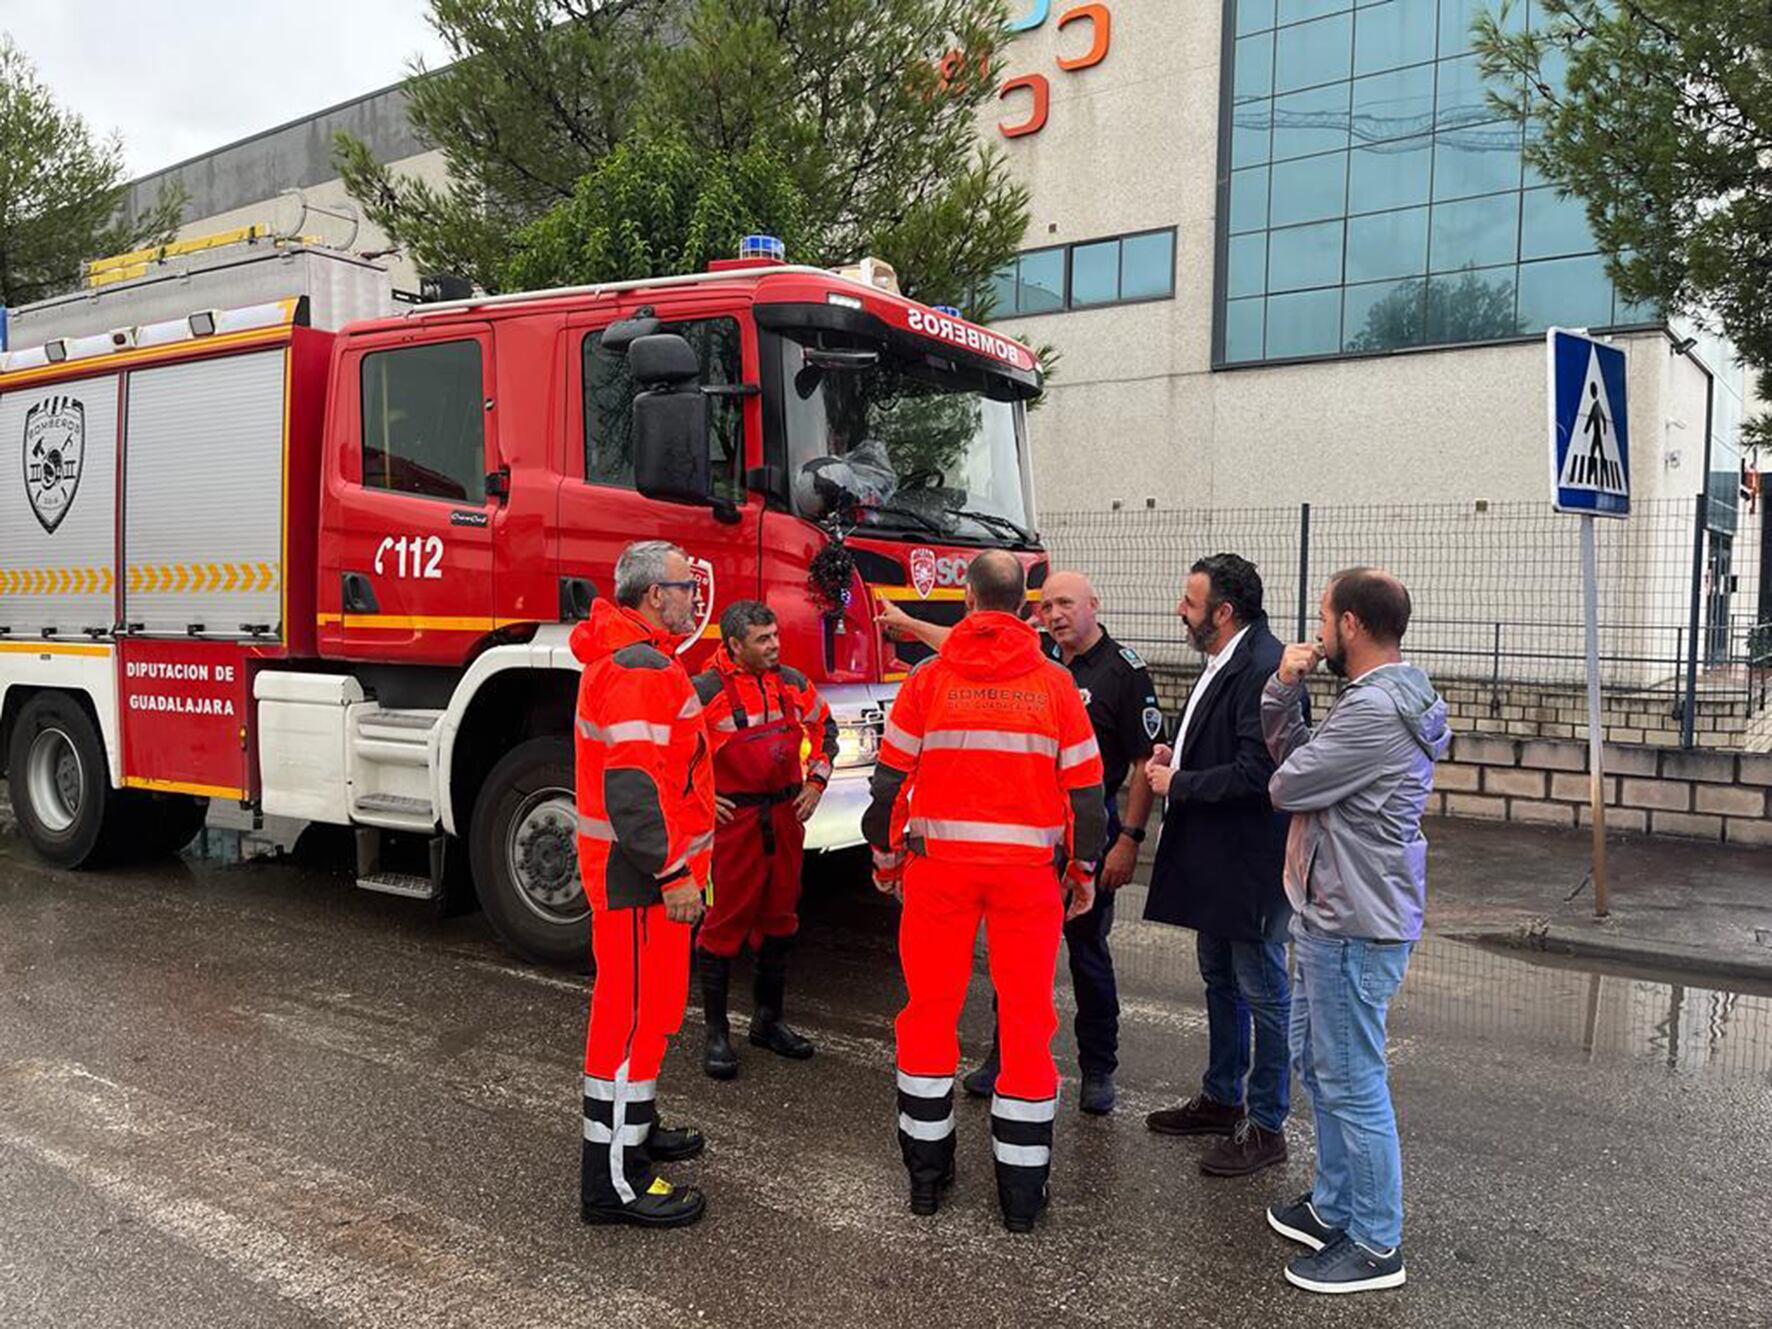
[673, 1144]
[1097, 1098]
[1299, 1222]
[982, 1083]
[660, 1205]
[1200, 1115]
[1344, 1265]
[1249, 1149]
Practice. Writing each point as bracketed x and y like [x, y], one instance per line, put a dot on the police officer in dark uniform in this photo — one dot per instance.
[1122, 705]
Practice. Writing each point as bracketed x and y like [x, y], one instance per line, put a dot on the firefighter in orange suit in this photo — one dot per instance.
[988, 779]
[760, 716]
[646, 823]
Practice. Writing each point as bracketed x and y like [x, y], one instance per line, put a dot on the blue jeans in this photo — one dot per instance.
[1246, 986]
[1340, 997]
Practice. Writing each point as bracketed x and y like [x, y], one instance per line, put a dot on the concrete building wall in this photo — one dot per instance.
[1132, 144]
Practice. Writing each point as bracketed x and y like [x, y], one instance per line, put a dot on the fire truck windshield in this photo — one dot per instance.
[917, 448]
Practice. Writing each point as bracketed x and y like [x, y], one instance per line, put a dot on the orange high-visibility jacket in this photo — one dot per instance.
[764, 698]
[645, 779]
[992, 746]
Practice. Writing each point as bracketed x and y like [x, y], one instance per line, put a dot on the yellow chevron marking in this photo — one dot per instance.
[266, 576]
[215, 576]
[107, 579]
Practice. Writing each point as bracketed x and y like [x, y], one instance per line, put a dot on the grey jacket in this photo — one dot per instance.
[1356, 861]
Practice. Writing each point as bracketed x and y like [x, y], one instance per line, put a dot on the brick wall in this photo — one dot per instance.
[1651, 788]
[1717, 796]
[1524, 711]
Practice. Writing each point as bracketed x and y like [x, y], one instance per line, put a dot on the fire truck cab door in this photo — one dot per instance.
[406, 570]
[600, 509]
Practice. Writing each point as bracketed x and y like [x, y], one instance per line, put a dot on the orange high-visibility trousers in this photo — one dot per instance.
[637, 1003]
[1023, 912]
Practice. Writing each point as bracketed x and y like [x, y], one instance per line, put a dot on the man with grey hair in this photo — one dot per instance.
[645, 844]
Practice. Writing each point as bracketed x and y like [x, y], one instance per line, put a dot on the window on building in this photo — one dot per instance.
[609, 407]
[424, 421]
[1373, 199]
[1119, 269]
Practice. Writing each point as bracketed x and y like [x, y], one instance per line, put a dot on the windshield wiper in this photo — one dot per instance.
[991, 519]
[894, 510]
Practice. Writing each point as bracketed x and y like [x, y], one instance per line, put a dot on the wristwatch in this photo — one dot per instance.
[1133, 833]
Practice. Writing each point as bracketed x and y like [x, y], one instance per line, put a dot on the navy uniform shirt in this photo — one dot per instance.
[1122, 704]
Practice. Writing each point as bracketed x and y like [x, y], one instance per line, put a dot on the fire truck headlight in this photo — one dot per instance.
[858, 743]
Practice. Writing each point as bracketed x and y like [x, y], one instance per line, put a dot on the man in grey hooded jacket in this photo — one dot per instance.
[1356, 876]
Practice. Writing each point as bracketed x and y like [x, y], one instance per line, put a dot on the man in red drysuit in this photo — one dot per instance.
[645, 837]
[761, 715]
[989, 777]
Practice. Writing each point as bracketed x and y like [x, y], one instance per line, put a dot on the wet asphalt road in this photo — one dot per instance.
[253, 1095]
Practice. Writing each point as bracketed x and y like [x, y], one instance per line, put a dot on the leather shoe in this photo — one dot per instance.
[661, 1205]
[982, 1083]
[1200, 1115]
[1097, 1098]
[673, 1144]
[780, 1039]
[1249, 1149]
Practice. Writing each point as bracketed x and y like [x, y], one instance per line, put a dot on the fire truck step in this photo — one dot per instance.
[400, 883]
[370, 806]
[420, 720]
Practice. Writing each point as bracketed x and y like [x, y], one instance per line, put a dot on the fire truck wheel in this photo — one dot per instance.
[61, 791]
[524, 849]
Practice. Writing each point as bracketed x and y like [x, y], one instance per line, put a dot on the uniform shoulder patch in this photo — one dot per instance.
[1153, 722]
[1132, 657]
[792, 677]
[708, 685]
[641, 655]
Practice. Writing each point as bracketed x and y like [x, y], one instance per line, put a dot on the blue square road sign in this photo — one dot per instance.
[1589, 425]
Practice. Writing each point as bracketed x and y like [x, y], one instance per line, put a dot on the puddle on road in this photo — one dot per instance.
[1464, 990]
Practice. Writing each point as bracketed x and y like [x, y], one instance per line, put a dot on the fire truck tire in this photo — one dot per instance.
[523, 846]
[60, 785]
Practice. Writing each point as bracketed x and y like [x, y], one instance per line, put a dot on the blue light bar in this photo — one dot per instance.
[763, 246]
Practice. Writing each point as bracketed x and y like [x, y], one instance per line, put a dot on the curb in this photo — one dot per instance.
[1670, 959]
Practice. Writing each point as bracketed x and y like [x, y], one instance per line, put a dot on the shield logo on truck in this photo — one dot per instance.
[703, 572]
[923, 571]
[55, 450]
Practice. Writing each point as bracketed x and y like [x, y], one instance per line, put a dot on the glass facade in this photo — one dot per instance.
[1374, 200]
[1115, 270]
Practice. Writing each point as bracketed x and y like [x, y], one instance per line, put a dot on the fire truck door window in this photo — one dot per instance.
[424, 421]
[609, 403]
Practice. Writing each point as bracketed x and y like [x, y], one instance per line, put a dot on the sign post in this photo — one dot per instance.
[1590, 476]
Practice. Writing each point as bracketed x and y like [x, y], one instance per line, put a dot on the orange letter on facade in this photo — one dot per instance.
[1042, 90]
[1101, 27]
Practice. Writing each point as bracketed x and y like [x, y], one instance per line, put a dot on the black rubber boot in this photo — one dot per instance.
[718, 1059]
[768, 1029]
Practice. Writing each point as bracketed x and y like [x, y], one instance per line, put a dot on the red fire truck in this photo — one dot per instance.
[324, 566]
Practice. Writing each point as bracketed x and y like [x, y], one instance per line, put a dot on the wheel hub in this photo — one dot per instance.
[543, 856]
[56, 782]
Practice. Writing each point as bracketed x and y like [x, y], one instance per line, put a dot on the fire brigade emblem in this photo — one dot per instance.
[923, 571]
[55, 449]
[703, 572]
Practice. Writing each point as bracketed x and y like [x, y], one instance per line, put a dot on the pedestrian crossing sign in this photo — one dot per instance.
[1589, 425]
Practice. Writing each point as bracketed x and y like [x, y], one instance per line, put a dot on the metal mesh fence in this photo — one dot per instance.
[1496, 586]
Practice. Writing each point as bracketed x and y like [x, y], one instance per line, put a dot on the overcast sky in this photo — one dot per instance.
[177, 80]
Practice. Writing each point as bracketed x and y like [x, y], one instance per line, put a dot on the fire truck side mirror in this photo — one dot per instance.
[670, 421]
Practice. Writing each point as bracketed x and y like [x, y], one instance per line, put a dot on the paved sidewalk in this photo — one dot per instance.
[1683, 908]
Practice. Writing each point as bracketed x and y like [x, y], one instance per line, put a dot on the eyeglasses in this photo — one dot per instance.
[688, 585]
